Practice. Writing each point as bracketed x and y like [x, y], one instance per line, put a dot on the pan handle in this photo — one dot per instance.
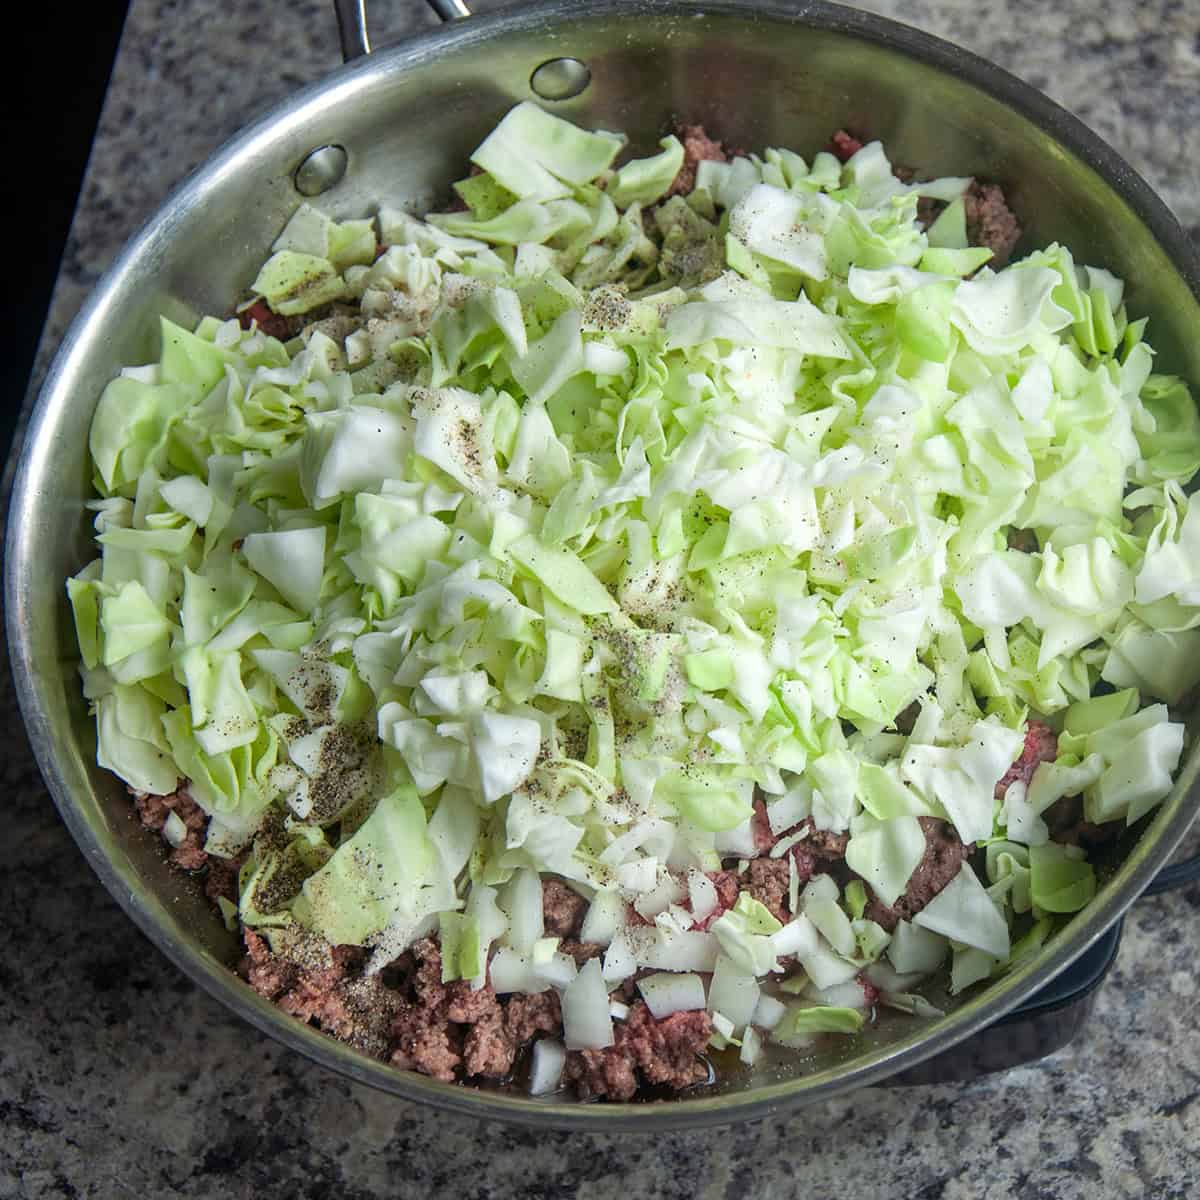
[352, 22]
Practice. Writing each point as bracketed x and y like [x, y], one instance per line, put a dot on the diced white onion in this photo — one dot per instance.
[791, 808]
[768, 1012]
[620, 962]
[543, 950]
[784, 844]
[825, 968]
[546, 1069]
[702, 894]
[174, 831]
[664, 893]
[911, 1003]
[617, 1010]
[913, 949]
[851, 994]
[821, 887]
[525, 921]
[558, 972]
[833, 924]
[722, 1024]
[888, 979]
[638, 876]
[751, 1047]
[674, 920]
[738, 840]
[512, 972]
[796, 937]
[733, 992]
[666, 993]
[604, 916]
[620, 848]
[587, 1023]
[689, 951]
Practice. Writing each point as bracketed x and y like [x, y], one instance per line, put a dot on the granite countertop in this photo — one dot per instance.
[119, 1078]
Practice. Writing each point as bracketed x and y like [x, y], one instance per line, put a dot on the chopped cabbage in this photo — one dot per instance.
[609, 538]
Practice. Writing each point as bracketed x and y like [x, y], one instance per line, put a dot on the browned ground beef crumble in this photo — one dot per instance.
[408, 1016]
[698, 147]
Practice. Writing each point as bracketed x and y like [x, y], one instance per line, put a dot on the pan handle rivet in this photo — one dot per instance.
[560, 78]
[321, 169]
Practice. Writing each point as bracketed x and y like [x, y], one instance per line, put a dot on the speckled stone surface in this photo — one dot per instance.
[119, 1078]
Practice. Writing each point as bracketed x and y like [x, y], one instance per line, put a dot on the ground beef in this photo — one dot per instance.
[1024, 540]
[907, 718]
[727, 885]
[928, 210]
[153, 811]
[466, 1005]
[526, 1015]
[767, 882]
[760, 824]
[273, 324]
[990, 222]
[581, 952]
[698, 147]
[562, 909]
[488, 1051]
[944, 856]
[426, 1042]
[266, 974]
[1041, 745]
[322, 985]
[221, 881]
[824, 844]
[844, 145]
[663, 1053]
[1064, 819]
[450, 1031]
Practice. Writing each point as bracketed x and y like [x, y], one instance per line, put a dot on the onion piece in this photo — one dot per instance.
[513, 972]
[638, 876]
[851, 994]
[604, 917]
[558, 972]
[666, 993]
[796, 937]
[888, 979]
[660, 897]
[688, 951]
[913, 949]
[738, 840]
[911, 1003]
[587, 1023]
[733, 992]
[525, 921]
[769, 1012]
[702, 894]
[174, 831]
[723, 1025]
[791, 808]
[751, 1046]
[546, 1069]
[620, 962]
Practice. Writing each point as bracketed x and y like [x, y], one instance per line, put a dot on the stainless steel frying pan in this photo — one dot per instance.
[399, 125]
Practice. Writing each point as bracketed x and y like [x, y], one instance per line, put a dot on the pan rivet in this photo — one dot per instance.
[560, 78]
[320, 170]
